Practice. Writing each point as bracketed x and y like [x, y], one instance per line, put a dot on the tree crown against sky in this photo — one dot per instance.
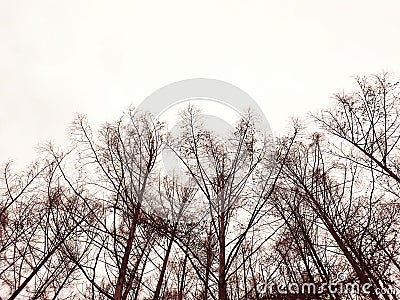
[102, 220]
[97, 57]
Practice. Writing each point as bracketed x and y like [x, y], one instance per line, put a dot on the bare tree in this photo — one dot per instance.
[104, 220]
[226, 170]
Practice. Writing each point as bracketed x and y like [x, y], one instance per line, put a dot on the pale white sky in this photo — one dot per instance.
[98, 57]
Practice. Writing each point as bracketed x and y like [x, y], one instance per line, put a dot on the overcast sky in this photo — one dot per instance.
[98, 57]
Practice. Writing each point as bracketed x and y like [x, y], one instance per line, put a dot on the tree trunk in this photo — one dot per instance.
[222, 295]
[163, 269]
[127, 252]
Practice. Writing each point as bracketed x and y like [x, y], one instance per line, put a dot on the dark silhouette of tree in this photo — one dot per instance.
[245, 217]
